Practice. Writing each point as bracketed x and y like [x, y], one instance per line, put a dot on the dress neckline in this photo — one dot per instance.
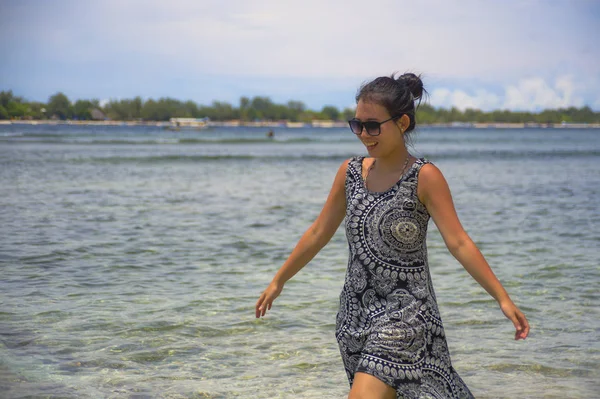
[404, 175]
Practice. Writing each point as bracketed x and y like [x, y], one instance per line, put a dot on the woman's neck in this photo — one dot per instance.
[392, 162]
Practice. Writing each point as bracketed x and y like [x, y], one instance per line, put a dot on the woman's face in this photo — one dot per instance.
[389, 140]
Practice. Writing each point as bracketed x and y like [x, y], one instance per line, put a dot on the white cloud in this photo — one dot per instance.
[460, 100]
[154, 43]
[313, 38]
[535, 94]
[532, 94]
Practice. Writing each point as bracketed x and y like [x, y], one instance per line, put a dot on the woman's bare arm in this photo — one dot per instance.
[312, 241]
[434, 193]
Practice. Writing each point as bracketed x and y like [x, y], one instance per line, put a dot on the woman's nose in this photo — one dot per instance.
[363, 132]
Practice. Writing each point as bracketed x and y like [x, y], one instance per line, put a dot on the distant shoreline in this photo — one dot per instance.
[286, 124]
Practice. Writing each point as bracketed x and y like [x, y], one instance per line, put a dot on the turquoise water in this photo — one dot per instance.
[132, 257]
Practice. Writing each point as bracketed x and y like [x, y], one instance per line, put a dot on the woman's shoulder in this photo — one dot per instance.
[429, 175]
[346, 166]
[426, 167]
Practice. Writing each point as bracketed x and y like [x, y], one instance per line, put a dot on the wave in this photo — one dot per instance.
[337, 156]
[10, 134]
[45, 139]
[512, 154]
[250, 140]
[210, 158]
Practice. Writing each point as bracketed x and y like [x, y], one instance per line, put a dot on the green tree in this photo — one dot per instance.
[262, 108]
[37, 110]
[348, 114]
[425, 114]
[295, 109]
[330, 112]
[6, 97]
[244, 107]
[59, 106]
[308, 116]
[13, 106]
[150, 111]
[17, 110]
[124, 109]
[82, 109]
[221, 111]
[136, 107]
[3, 113]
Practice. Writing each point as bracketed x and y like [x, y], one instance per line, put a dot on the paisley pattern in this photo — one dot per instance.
[388, 324]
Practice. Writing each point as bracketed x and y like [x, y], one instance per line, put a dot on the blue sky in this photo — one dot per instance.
[511, 54]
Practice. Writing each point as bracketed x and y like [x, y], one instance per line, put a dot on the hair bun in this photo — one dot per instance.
[413, 82]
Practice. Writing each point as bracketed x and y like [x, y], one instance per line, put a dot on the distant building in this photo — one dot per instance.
[98, 115]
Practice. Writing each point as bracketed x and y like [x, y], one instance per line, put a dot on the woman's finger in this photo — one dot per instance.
[518, 333]
[524, 325]
[259, 305]
[521, 325]
[266, 304]
[517, 325]
[259, 301]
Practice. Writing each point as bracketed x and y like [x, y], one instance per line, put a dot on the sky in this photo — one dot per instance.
[521, 55]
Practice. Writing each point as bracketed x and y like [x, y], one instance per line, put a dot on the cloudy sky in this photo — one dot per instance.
[510, 54]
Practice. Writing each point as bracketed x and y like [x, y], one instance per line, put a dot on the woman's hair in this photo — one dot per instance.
[396, 94]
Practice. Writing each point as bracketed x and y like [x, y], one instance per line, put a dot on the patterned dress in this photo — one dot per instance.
[388, 324]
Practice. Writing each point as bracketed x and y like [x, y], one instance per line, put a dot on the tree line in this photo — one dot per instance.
[257, 109]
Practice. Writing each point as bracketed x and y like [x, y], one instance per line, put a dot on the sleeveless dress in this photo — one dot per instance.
[388, 324]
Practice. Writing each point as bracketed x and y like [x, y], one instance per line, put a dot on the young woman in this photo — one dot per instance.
[388, 326]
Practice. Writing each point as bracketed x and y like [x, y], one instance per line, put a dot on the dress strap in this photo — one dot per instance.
[353, 173]
[356, 165]
[416, 168]
[419, 163]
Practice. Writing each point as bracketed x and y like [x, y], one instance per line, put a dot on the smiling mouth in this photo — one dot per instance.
[370, 145]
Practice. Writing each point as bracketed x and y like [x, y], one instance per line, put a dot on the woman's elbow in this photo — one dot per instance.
[319, 235]
[457, 242]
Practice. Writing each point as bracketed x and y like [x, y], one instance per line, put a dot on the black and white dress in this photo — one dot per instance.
[388, 324]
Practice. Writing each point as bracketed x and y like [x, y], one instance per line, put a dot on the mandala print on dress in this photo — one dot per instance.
[394, 226]
[384, 280]
[388, 324]
[399, 335]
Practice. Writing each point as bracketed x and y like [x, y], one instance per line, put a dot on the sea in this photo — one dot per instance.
[131, 258]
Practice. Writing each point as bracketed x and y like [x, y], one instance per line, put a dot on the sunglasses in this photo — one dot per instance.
[373, 128]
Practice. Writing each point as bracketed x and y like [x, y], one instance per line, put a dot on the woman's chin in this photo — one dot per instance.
[372, 149]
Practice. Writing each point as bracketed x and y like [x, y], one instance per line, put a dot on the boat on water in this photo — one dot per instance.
[177, 124]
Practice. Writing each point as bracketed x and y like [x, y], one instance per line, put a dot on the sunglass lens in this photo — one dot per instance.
[355, 126]
[372, 128]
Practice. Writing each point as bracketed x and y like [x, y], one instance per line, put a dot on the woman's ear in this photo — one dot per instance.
[403, 123]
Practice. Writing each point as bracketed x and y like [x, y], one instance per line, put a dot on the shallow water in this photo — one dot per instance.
[132, 258]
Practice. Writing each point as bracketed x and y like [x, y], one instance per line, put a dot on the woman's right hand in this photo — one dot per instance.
[513, 313]
[266, 299]
[315, 238]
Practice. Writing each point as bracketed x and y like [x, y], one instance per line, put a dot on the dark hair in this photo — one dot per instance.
[396, 94]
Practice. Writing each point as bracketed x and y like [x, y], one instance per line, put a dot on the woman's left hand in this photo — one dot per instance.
[513, 313]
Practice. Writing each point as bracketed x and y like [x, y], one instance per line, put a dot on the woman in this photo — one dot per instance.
[388, 326]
